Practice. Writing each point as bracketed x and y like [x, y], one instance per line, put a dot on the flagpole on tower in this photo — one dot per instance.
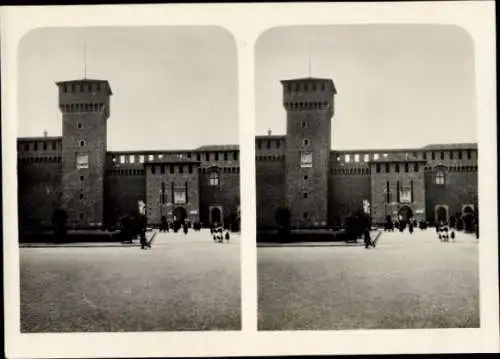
[84, 61]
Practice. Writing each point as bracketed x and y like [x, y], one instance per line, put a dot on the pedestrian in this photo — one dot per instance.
[410, 228]
[142, 229]
[185, 228]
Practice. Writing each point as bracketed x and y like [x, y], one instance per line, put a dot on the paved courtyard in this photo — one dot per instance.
[408, 281]
[182, 283]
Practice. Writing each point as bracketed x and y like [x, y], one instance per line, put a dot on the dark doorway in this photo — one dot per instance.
[406, 213]
[441, 214]
[216, 215]
[180, 216]
[468, 218]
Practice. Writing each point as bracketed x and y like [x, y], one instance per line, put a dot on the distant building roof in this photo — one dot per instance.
[108, 86]
[40, 138]
[454, 146]
[218, 148]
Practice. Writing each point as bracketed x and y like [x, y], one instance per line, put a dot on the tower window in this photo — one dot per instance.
[54, 145]
[213, 178]
[433, 155]
[366, 158]
[397, 167]
[356, 158]
[387, 168]
[35, 146]
[80, 215]
[375, 156]
[459, 155]
[79, 125]
[305, 177]
[451, 155]
[82, 160]
[468, 154]
[439, 178]
[306, 159]
[305, 195]
[278, 144]
[269, 144]
[304, 215]
[131, 159]
[81, 195]
[305, 142]
[82, 143]
[225, 157]
[151, 158]
[44, 146]
[304, 124]
[81, 178]
[347, 158]
[378, 167]
[442, 155]
[406, 167]
[235, 156]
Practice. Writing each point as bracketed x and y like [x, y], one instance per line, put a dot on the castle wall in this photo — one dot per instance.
[225, 195]
[459, 190]
[346, 194]
[270, 188]
[39, 189]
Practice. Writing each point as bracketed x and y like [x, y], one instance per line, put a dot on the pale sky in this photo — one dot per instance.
[173, 87]
[398, 85]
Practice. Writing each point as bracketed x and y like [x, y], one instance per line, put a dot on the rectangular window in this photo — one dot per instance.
[424, 155]
[366, 158]
[207, 156]
[269, 144]
[171, 168]
[54, 145]
[433, 155]
[387, 168]
[259, 144]
[35, 146]
[180, 196]
[181, 168]
[162, 169]
[411, 191]
[151, 158]
[459, 155]
[45, 146]
[442, 155]
[451, 155]
[216, 156]
[82, 160]
[278, 144]
[356, 158]
[397, 168]
[225, 156]
[406, 167]
[416, 167]
[468, 154]
[190, 168]
[141, 158]
[198, 157]
[153, 169]
[378, 167]
[397, 192]
[375, 156]
[236, 156]
[305, 159]
[163, 192]
[131, 159]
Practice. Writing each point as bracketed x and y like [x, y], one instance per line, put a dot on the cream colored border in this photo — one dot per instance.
[246, 22]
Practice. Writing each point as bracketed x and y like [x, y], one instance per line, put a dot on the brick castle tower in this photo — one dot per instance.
[309, 105]
[85, 107]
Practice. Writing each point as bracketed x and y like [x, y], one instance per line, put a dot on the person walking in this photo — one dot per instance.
[410, 227]
[142, 228]
[185, 227]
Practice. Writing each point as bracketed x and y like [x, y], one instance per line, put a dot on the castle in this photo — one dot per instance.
[297, 171]
[97, 187]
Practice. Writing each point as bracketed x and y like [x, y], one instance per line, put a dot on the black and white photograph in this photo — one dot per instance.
[235, 179]
[128, 180]
[367, 178]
